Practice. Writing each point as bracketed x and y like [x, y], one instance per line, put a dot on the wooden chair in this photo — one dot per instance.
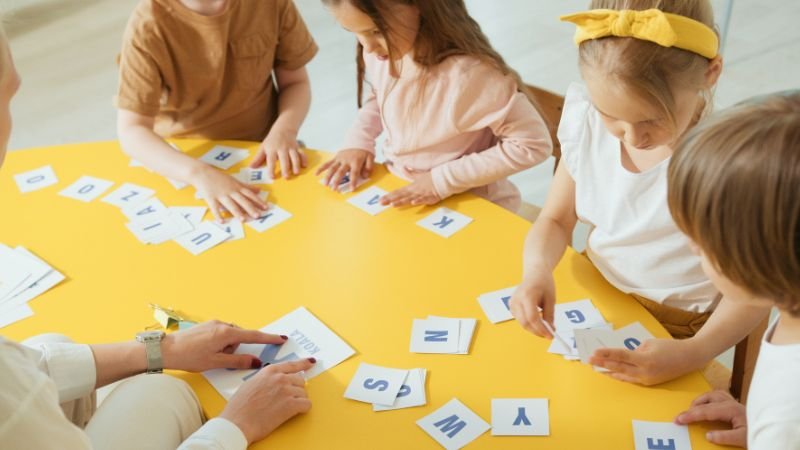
[744, 361]
[550, 106]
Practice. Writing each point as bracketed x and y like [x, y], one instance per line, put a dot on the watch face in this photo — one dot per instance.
[151, 335]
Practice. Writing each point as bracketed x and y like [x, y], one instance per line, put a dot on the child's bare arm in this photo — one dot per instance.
[221, 191]
[138, 140]
[280, 145]
[544, 247]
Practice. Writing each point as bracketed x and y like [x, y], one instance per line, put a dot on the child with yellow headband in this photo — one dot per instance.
[649, 68]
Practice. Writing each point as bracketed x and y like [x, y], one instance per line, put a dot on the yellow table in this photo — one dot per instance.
[365, 277]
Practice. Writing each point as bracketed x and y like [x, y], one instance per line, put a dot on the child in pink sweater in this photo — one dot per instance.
[455, 115]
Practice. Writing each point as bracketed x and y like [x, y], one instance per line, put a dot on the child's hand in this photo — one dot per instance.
[281, 146]
[221, 190]
[420, 192]
[718, 406]
[538, 290]
[655, 361]
[354, 161]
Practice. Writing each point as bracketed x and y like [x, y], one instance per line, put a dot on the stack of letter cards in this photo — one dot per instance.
[454, 425]
[442, 335]
[150, 221]
[308, 337]
[589, 340]
[660, 436]
[23, 277]
[571, 316]
[386, 388]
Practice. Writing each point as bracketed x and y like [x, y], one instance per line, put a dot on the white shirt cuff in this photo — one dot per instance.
[72, 368]
[217, 433]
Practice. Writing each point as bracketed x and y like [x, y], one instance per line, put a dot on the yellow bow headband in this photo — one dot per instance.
[665, 29]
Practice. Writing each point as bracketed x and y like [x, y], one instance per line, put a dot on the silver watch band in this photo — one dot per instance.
[152, 348]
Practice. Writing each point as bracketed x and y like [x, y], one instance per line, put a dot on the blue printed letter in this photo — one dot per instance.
[632, 343]
[452, 424]
[575, 316]
[658, 444]
[521, 419]
[444, 222]
[436, 336]
[380, 385]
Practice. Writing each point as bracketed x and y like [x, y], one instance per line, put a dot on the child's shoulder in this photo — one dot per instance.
[146, 18]
[578, 114]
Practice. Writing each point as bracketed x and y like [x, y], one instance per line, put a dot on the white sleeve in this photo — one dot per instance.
[574, 126]
[775, 435]
[70, 366]
[216, 434]
[30, 415]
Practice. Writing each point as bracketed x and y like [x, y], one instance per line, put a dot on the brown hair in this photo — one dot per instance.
[644, 68]
[446, 29]
[734, 189]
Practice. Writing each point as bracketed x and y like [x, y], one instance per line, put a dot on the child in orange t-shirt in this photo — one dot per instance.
[203, 68]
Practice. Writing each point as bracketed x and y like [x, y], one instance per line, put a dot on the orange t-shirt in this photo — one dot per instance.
[210, 76]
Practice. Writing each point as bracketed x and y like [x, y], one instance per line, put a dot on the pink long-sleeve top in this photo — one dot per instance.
[471, 127]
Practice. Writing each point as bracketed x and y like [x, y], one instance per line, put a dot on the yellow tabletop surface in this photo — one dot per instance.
[365, 277]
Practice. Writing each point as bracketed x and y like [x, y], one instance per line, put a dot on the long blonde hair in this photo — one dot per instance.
[446, 29]
[646, 69]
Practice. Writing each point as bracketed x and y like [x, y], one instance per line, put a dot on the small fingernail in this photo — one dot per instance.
[710, 436]
[312, 360]
[256, 363]
[284, 337]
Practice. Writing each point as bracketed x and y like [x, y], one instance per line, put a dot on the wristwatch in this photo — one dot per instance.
[152, 347]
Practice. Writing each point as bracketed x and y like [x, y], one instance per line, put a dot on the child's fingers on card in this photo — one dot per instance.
[259, 160]
[338, 176]
[296, 379]
[283, 160]
[294, 157]
[261, 204]
[214, 206]
[327, 164]
[230, 204]
[303, 157]
[271, 158]
[247, 204]
[623, 377]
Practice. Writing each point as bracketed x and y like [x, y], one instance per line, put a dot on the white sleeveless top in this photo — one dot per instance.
[633, 240]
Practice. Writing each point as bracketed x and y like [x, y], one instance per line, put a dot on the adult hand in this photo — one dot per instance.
[271, 397]
[210, 345]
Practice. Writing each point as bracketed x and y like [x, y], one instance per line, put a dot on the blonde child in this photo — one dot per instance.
[453, 112]
[648, 73]
[205, 68]
[733, 189]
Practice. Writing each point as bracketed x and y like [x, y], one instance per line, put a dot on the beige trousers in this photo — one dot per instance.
[145, 412]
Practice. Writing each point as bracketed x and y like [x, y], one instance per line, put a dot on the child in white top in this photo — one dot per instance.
[733, 189]
[648, 75]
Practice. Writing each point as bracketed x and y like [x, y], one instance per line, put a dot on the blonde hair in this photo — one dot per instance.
[649, 71]
[734, 189]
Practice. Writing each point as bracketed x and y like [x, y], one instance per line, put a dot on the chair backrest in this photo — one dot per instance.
[550, 107]
[744, 361]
